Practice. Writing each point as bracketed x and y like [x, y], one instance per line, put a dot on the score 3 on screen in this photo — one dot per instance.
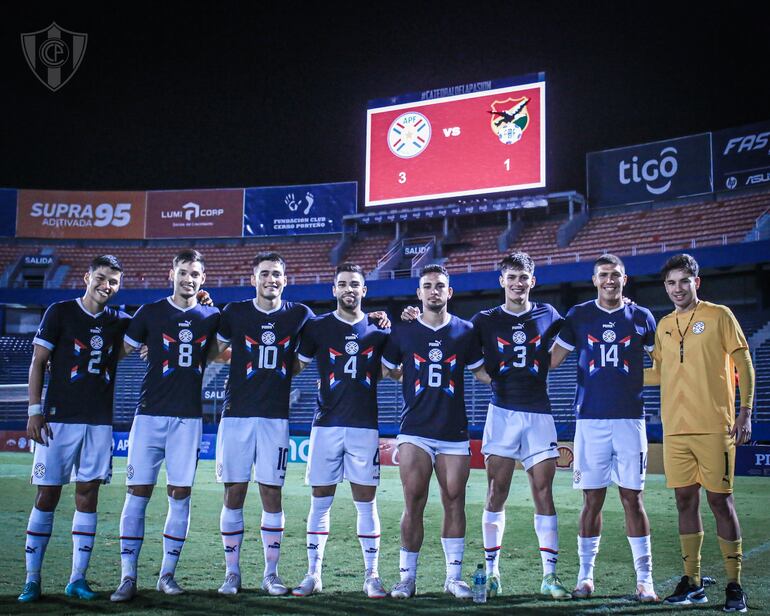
[479, 138]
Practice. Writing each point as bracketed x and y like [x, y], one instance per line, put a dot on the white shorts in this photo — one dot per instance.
[610, 451]
[528, 437]
[338, 453]
[434, 447]
[252, 448]
[75, 452]
[153, 439]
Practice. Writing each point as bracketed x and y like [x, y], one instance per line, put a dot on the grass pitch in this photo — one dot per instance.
[201, 567]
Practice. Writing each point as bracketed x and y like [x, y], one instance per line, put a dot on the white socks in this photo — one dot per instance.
[641, 548]
[38, 533]
[407, 564]
[231, 527]
[492, 529]
[317, 532]
[174, 533]
[547, 530]
[454, 547]
[131, 533]
[368, 528]
[83, 533]
[588, 548]
[272, 535]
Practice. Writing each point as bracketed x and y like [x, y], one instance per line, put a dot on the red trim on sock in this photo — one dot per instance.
[229, 534]
[173, 538]
[368, 536]
[131, 538]
[549, 550]
[317, 532]
[492, 549]
[34, 534]
[271, 530]
[80, 532]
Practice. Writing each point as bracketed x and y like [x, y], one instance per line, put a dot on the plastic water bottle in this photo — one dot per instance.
[480, 585]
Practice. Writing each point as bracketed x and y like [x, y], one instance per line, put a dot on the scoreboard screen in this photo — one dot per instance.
[465, 140]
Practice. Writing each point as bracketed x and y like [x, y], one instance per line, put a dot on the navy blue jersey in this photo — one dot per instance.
[610, 347]
[434, 361]
[262, 363]
[177, 342]
[84, 353]
[516, 354]
[349, 363]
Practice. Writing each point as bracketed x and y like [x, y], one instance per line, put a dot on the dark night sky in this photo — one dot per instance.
[229, 96]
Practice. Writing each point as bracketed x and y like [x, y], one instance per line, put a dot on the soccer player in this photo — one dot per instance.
[253, 435]
[73, 429]
[432, 353]
[178, 332]
[610, 338]
[344, 439]
[697, 350]
[516, 338]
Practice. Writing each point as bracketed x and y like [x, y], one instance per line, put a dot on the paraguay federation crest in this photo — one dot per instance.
[510, 119]
[409, 135]
[54, 54]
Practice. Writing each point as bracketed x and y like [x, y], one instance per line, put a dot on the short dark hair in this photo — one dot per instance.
[110, 261]
[189, 255]
[434, 268]
[349, 267]
[681, 261]
[268, 256]
[608, 259]
[517, 261]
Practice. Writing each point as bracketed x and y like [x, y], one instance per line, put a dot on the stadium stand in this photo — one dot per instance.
[677, 227]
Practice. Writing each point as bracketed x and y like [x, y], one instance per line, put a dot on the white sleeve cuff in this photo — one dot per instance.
[387, 364]
[475, 365]
[649, 348]
[131, 342]
[221, 338]
[43, 343]
[304, 359]
[561, 343]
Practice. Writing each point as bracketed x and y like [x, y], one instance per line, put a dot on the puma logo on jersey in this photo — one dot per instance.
[611, 324]
[95, 330]
[435, 343]
[268, 326]
[352, 337]
[185, 324]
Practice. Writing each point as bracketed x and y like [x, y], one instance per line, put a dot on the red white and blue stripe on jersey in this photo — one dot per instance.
[450, 388]
[167, 340]
[250, 372]
[78, 346]
[166, 368]
[333, 355]
[250, 342]
[74, 374]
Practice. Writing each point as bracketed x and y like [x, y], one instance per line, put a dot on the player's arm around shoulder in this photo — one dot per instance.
[564, 341]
